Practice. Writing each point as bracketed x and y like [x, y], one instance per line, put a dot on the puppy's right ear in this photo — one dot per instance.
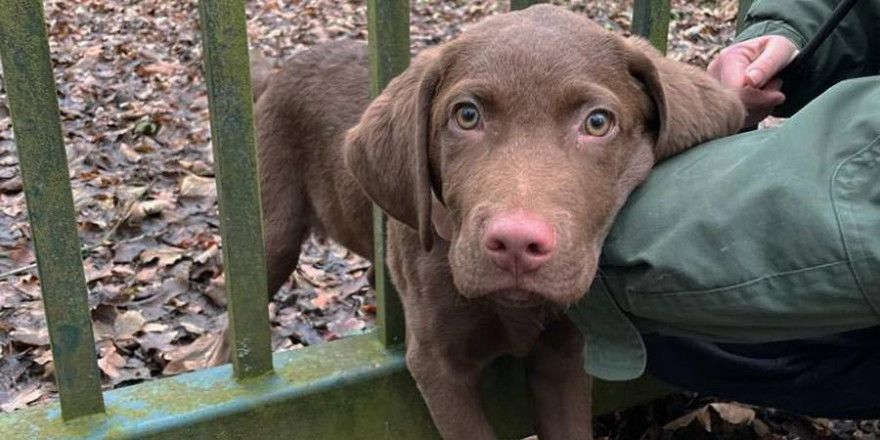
[387, 152]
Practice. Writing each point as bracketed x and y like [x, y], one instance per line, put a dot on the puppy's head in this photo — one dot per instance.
[519, 141]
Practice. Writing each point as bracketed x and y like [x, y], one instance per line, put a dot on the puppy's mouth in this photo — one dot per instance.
[516, 298]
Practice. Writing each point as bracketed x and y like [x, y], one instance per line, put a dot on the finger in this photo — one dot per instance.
[755, 99]
[776, 54]
[774, 85]
[730, 66]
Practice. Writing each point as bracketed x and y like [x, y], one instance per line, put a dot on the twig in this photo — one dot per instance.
[127, 213]
[17, 271]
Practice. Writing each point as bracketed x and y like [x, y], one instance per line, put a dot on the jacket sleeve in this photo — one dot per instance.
[852, 50]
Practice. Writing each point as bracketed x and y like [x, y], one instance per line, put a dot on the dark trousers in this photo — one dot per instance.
[834, 376]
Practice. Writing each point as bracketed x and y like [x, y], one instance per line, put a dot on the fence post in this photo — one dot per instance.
[30, 85]
[651, 20]
[522, 4]
[388, 33]
[238, 190]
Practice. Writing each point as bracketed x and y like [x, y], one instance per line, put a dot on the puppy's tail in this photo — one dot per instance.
[261, 72]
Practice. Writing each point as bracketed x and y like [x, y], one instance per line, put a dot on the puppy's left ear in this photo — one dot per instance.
[388, 151]
[692, 107]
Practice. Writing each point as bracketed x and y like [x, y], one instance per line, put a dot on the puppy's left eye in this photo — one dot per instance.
[467, 116]
[598, 123]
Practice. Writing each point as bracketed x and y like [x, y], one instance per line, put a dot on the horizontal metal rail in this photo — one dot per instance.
[352, 389]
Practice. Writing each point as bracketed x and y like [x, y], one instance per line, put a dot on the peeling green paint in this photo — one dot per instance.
[30, 85]
[651, 20]
[388, 32]
[238, 190]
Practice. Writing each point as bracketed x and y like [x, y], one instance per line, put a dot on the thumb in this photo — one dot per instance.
[777, 53]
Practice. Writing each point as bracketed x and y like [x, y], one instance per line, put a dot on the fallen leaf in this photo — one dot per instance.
[29, 285]
[129, 153]
[159, 341]
[155, 327]
[733, 413]
[22, 398]
[127, 324]
[207, 351]
[128, 252]
[216, 291]
[730, 413]
[156, 68]
[348, 327]
[197, 187]
[207, 255]
[166, 255]
[323, 299]
[94, 273]
[149, 208]
[43, 356]
[36, 337]
[147, 274]
[110, 361]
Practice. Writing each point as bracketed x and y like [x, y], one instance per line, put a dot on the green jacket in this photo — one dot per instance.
[765, 236]
[851, 51]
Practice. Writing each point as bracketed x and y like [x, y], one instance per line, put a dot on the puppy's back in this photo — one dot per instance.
[302, 116]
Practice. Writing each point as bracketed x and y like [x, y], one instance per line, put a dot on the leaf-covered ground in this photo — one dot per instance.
[135, 121]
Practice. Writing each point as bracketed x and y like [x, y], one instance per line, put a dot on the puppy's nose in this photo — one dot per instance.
[519, 241]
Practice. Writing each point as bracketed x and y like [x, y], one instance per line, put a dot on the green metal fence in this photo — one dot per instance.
[357, 388]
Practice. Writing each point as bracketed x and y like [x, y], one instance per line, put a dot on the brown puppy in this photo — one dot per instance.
[502, 158]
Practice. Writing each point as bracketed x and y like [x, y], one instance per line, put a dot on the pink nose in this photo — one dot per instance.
[519, 242]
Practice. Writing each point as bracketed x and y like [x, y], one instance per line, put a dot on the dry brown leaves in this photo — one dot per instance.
[686, 416]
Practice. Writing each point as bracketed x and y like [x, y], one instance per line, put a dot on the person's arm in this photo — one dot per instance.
[851, 51]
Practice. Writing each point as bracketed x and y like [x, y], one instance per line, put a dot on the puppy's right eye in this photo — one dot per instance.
[598, 123]
[467, 116]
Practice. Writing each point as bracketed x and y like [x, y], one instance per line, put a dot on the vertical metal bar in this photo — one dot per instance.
[388, 32]
[24, 49]
[744, 6]
[651, 20]
[522, 4]
[232, 131]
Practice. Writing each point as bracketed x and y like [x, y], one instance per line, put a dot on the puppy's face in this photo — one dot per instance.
[537, 141]
[519, 142]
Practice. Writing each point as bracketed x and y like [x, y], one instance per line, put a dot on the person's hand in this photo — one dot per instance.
[749, 68]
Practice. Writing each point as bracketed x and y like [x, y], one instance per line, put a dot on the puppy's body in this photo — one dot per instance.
[302, 116]
[450, 339]
[496, 226]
